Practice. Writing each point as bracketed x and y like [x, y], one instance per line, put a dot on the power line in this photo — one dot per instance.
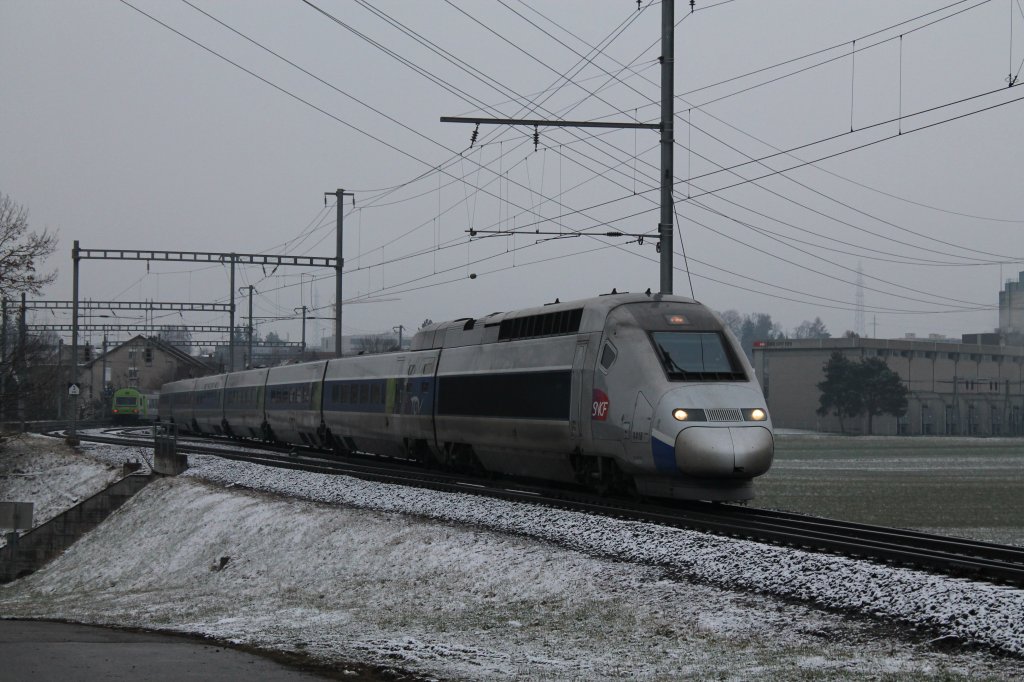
[849, 180]
[294, 96]
[830, 262]
[856, 148]
[845, 205]
[829, 49]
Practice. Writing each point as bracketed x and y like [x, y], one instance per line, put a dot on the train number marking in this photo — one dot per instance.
[599, 406]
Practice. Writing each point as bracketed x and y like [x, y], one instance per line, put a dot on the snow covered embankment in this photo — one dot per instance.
[445, 599]
[46, 472]
[991, 615]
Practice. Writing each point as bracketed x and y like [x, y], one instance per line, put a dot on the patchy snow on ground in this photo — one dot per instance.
[49, 474]
[456, 586]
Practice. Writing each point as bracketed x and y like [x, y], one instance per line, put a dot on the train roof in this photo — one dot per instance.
[583, 315]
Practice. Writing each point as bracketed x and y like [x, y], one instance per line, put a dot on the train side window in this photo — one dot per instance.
[364, 394]
[375, 394]
[353, 394]
[608, 356]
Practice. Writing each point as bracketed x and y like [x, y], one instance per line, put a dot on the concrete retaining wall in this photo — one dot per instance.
[29, 552]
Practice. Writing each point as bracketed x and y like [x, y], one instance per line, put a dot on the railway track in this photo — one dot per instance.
[982, 561]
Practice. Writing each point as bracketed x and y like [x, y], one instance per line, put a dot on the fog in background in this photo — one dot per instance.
[122, 133]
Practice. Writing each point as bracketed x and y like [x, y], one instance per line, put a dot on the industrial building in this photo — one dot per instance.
[970, 388]
[955, 388]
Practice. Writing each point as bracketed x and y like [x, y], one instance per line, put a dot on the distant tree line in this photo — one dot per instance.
[760, 327]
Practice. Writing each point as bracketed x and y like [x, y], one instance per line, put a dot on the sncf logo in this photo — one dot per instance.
[599, 407]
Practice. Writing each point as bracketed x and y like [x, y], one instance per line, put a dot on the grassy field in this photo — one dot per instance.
[969, 487]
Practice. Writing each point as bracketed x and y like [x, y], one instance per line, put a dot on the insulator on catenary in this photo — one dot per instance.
[472, 139]
[536, 137]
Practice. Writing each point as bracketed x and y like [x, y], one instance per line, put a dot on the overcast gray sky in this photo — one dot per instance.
[120, 133]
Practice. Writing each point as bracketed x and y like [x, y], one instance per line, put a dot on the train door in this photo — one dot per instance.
[577, 393]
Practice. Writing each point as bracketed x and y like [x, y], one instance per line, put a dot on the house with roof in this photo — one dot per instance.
[145, 363]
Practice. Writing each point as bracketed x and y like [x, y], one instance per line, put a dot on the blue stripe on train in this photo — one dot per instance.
[664, 455]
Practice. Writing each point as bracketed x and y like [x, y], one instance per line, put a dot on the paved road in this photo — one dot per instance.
[57, 652]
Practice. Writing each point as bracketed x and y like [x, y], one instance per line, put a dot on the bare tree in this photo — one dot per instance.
[176, 335]
[811, 330]
[21, 251]
[31, 377]
[375, 343]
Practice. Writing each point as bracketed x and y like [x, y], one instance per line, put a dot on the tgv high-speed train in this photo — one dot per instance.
[622, 392]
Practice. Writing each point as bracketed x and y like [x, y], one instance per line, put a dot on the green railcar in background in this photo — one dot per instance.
[131, 405]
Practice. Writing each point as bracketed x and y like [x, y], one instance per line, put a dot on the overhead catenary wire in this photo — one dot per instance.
[931, 239]
[829, 60]
[823, 170]
[689, 150]
[277, 87]
[832, 263]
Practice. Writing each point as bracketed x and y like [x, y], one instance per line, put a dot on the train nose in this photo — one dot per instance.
[724, 451]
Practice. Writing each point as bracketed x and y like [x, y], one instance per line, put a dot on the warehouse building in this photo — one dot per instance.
[970, 388]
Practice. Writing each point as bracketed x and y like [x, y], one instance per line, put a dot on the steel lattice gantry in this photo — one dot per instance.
[231, 259]
[191, 328]
[162, 306]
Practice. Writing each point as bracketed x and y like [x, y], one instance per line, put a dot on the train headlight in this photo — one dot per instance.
[680, 414]
[755, 415]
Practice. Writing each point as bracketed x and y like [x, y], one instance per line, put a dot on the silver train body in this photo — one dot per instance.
[622, 392]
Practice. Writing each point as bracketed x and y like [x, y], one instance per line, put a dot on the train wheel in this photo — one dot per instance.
[461, 457]
[603, 476]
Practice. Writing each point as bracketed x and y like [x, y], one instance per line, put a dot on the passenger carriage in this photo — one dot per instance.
[244, 404]
[208, 405]
[292, 400]
[175, 403]
[380, 403]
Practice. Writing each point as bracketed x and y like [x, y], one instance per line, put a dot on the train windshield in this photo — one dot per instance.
[125, 400]
[697, 356]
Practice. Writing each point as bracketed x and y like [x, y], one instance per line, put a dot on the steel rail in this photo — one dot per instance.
[961, 557]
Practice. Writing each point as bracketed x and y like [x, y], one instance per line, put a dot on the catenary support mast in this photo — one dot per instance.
[666, 126]
[668, 18]
[340, 195]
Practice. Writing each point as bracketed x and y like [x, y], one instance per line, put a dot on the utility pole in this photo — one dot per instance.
[103, 378]
[303, 309]
[666, 127]
[231, 319]
[399, 329]
[22, 383]
[249, 329]
[3, 360]
[339, 195]
[668, 19]
[72, 438]
[60, 379]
